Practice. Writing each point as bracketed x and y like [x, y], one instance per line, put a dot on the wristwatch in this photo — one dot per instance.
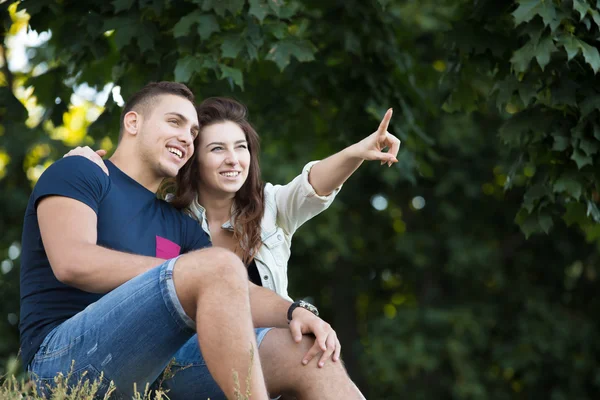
[303, 304]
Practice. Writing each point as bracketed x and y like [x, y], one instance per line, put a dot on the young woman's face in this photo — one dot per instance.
[223, 158]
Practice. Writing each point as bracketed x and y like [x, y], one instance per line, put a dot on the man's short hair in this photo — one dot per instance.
[144, 99]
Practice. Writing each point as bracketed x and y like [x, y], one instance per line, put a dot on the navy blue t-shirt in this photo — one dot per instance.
[130, 219]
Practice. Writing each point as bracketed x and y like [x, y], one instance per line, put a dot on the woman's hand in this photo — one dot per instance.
[371, 147]
[93, 156]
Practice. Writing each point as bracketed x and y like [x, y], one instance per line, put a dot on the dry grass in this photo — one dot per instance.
[63, 389]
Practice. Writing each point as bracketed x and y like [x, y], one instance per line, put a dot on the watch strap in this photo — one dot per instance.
[302, 304]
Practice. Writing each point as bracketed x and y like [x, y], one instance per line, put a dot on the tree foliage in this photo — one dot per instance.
[538, 61]
[424, 269]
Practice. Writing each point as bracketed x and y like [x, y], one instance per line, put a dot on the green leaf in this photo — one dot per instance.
[581, 7]
[590, 104]
[561, 143]
[252, 51]
[155, 5]
[591, 55]
[254, 34]
[207, 25]
[592, 231]
[593, 211]
[505, 89]
[544, 49]
[277, 29]
[571, 45]
[260, 9]
[522, 57]
[282, 52]
[146, 37]
[125, 30]
[597, 131]
[528, 223]
[527, 91]
[533, 195]
[234, 74]
[581, 159]
[220, 7]
[184, 25]
[528, 9]
[121, 5]
[545, 222]
[596, 17]
[589, 147]
[186, 67]
[284, 10]
[232, 45]
[575, 213]
[567, 183]
[515, 130]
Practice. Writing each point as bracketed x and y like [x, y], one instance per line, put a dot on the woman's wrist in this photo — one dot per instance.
[353, 152]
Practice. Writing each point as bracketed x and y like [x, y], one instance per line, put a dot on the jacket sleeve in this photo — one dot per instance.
[296, 202]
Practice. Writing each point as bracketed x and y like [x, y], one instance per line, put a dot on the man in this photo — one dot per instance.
[103, 285]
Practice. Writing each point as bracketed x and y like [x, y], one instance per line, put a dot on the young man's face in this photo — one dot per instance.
[167, 133]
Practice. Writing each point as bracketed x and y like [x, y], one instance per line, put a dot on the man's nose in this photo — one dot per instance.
[186, 138]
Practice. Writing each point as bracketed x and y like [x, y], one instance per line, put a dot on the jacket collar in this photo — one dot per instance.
[199, 212]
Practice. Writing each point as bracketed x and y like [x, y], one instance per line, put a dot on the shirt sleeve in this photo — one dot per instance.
[195, 237]
[74, 177]
[296, 202]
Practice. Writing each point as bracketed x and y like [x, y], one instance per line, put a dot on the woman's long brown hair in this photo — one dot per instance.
[248, 202]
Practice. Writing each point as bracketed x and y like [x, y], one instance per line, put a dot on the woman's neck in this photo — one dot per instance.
[218, 209]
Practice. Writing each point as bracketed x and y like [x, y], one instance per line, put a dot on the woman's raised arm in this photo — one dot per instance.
[330, 173]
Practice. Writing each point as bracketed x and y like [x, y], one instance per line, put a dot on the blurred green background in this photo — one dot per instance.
[466, 271]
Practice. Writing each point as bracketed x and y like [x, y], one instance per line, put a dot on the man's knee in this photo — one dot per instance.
[278, 346]
[214, 272]
[213, 263]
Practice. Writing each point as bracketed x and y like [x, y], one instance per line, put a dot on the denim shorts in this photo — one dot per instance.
[130, 336]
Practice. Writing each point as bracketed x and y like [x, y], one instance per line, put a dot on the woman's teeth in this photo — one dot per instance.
[230, 174]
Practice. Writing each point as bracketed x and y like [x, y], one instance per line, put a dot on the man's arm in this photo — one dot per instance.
[270, 310]
[69, 233]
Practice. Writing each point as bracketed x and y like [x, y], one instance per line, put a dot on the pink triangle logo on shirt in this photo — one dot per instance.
[166, 249]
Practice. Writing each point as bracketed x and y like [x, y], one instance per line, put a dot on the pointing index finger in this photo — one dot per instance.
[383, 126]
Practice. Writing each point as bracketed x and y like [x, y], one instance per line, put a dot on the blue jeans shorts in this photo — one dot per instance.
[131, 335]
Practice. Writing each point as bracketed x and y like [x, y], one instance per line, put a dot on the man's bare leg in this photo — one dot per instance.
[285, 374]
[212, 286]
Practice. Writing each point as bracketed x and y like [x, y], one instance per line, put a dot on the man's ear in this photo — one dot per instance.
[131, 123]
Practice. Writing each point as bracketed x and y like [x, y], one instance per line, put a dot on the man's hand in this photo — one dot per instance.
[370, 148]
[93, 156]
[326, 340]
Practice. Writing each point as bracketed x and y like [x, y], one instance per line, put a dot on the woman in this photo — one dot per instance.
[221, 188]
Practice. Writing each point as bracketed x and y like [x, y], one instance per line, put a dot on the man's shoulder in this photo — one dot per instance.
[74, 167]
[74, 177]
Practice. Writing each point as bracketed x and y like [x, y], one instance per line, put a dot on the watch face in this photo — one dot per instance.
[309, 307]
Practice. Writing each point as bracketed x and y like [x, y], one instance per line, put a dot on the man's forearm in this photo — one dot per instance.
[99, 270]
[268, 308]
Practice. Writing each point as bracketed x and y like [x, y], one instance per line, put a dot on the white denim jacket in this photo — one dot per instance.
[287, 207]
